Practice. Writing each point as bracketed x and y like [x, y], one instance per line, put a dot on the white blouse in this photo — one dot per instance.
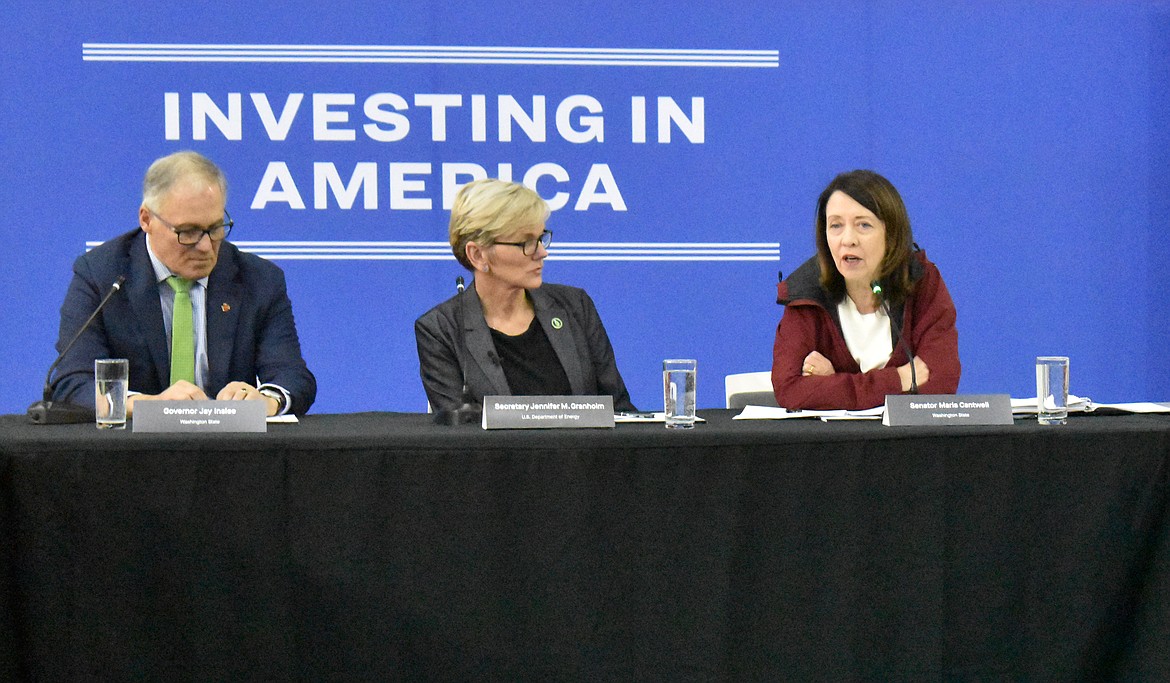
[866, 334]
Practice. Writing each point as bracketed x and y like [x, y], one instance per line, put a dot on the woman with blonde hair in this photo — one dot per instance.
[509, 333]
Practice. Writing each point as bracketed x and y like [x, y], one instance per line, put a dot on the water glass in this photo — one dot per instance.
[111, 383]
[678, 392]
[1052, 389]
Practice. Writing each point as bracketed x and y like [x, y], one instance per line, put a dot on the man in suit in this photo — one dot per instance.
[240, 342]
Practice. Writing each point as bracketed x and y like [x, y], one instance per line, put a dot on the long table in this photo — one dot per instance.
[382, 547]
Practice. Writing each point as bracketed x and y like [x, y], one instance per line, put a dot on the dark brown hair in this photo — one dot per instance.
[879, 196]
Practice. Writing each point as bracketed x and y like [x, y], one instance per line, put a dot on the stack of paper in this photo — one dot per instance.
[772, 413]
[1136, 407]
[1076, 404]
[1027, 406]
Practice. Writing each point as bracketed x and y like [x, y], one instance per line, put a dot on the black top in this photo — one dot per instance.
[530, 363]
[456, 349]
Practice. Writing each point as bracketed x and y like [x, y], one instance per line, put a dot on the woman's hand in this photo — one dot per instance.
[920, 370]
[816, 365]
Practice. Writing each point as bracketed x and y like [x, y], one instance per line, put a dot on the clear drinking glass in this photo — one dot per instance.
[678, 392]
[111, 383]
[1052, 389]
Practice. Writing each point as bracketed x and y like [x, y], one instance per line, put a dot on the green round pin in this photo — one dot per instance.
[557, 324]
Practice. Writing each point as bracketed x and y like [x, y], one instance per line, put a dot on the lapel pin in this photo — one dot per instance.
[557, 324]
[225, 307]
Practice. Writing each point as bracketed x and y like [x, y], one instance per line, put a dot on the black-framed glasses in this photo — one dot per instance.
[189, 235]
[529, 246]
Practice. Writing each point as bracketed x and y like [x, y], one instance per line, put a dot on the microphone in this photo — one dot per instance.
[877, 290]
[48, 412]
[469, 410]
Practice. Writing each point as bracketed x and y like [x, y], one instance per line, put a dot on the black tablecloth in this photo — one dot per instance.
[379, 546]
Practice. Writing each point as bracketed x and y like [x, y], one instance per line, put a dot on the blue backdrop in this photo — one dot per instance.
[686, 143]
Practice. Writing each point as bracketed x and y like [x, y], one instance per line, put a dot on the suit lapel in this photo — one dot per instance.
[478, 342]
[224, 303]
[555, 321]
[142, 289]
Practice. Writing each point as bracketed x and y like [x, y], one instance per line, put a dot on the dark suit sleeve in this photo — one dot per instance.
[73, 381]
[609, 380]
[438, 363]
[279, 360]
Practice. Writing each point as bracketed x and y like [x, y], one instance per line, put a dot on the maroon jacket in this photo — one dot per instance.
[810, 323]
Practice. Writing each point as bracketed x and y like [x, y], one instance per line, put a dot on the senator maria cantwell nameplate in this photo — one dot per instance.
[946, 409]
[547, 412]
[200, 416]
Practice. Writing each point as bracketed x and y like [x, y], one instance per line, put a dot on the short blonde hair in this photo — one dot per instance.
[485, 210]
[167, 172]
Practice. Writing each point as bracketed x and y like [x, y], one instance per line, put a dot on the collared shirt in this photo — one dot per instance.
[198, 294]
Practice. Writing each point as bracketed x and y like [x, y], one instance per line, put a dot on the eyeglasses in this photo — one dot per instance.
[529, 246]
[190, 235]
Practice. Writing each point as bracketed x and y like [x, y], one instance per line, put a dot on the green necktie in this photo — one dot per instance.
[182, 332]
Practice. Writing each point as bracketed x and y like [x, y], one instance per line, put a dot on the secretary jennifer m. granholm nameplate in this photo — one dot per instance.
[547, 412]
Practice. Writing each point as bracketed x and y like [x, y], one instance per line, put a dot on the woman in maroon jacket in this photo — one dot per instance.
[838, 343]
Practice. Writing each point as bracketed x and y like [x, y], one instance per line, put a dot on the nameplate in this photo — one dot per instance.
[905, 410]
[547, 412]
[200, 416]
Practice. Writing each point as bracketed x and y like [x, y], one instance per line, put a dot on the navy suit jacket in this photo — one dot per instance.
[455, 347]
[250, 329]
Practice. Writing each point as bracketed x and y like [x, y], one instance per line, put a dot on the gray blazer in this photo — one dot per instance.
[455, 347]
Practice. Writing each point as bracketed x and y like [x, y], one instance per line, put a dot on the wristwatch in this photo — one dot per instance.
[275, 396]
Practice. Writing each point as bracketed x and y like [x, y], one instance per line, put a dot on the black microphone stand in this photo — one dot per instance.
[877, 290]
[469, 410]
[49, 412]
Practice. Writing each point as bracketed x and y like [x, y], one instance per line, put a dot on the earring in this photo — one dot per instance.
[486, 267]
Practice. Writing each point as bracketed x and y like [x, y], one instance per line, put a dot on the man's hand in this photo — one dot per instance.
[242, 391]
[179, 391]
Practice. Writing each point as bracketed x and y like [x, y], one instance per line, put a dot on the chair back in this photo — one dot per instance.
[749, 388]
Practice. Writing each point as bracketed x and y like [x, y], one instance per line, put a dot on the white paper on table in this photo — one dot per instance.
[773, 413]
[871, 414]
[631, 418]
[620, 417]
[1076, 404]
[1136, 407]
[1027, 406]
[282, 419]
